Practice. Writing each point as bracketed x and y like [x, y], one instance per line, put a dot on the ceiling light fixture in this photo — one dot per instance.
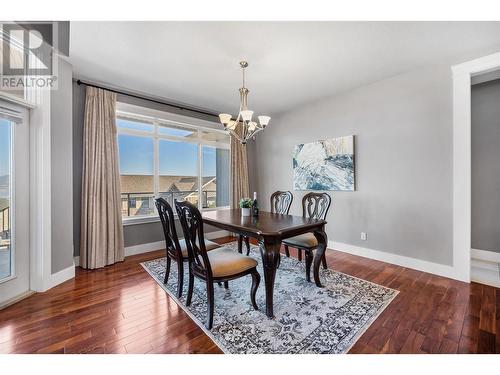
[249, 128]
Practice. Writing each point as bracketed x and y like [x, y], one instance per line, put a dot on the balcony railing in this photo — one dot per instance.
[143, 203]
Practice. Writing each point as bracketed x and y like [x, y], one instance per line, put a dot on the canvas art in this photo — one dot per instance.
[324, 165]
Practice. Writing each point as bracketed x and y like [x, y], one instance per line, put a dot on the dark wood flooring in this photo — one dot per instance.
[120, 309]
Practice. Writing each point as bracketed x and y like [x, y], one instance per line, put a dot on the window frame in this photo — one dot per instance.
[157, 119]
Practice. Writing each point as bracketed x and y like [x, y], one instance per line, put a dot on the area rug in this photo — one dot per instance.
[307, 319]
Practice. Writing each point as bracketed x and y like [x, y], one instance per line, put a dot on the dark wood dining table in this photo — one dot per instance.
[269, 230]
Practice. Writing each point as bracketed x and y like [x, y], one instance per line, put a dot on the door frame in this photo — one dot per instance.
[38, 104]
[462, 155]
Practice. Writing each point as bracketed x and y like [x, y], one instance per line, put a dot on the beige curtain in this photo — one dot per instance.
[239, 170]
[101, 230]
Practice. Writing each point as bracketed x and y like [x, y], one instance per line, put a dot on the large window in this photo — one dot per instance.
[173, 160]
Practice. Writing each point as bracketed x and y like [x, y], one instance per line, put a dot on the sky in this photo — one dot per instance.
[176, 158]
[4, 147]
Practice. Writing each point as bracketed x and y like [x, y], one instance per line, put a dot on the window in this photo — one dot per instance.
[5, 198]
[177, 161]
[215, 173]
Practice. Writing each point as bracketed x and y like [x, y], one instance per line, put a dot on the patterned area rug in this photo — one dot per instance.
[307, 319]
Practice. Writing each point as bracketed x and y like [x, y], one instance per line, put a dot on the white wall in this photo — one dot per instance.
[403, 152]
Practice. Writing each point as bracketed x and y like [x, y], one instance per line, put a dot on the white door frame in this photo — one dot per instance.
[38, 104]
[462, 74]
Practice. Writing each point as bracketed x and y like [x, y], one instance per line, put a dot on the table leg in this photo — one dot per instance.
[320, 253]
[270, 252]
[240, 243]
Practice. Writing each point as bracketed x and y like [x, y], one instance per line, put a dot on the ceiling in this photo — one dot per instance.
[290, 63]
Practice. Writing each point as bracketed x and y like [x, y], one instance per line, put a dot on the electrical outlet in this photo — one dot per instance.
[363, 236]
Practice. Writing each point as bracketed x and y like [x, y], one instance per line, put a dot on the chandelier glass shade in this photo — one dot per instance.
[243, 128]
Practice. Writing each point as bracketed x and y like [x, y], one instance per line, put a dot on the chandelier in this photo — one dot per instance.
[248, 128]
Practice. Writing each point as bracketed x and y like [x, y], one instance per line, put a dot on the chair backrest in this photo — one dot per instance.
[316, 205]
[167, 221]
[281, 202]
[192, 226]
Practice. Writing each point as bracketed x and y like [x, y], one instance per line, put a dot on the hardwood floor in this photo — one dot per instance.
[120, 309]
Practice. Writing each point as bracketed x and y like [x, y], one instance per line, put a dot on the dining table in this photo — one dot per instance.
[269, 229]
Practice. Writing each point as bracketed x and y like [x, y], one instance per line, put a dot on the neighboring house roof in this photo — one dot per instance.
[4, 203]
[144, 183]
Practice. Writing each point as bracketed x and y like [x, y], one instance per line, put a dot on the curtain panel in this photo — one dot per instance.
[239, 170]
[101, 225]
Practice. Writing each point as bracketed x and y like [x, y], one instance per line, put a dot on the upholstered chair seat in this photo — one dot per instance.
[306, 240]
[208, 244]
[226, 262]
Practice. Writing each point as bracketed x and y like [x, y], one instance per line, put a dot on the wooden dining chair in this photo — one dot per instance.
[219, 265]
[315, 206]
[281, 201]
[176, 249]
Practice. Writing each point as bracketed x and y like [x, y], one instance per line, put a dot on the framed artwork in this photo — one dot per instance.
[324, 165]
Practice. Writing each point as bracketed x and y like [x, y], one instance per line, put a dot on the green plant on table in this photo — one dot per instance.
[246, 203]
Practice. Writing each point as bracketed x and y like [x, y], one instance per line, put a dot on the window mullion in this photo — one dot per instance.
[200, 179]
[156, 161]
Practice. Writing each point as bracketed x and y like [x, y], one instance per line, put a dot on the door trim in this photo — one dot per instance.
[40, 191]
[462, 155]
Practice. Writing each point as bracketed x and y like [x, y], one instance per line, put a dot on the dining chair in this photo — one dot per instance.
[219, 265]
[281, 201]
[176, 249]
[314, 206]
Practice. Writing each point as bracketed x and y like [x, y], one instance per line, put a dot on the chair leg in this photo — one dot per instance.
[180, 277]
[226, 284]
[240, 244]
[299, 254]
[210, 299]
[255, 286]
[190, 288]
[247, 243]
[287, 252]
[323, 261]
[309, 259]
[167, 270]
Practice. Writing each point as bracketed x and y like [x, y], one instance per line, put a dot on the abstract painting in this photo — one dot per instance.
[324, 165]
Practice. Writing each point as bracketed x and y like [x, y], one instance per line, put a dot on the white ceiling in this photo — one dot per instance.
[290, 62]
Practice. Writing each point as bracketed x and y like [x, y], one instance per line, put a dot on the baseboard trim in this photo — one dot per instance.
[160, 245]
[485, 256]
[60, 277]
[16, 299]
[144, 248]
[485, 267]
[399, 260]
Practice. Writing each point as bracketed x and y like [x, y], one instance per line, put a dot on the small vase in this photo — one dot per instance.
[245, 212]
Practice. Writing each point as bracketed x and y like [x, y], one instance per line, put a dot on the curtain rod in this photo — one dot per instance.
[80, 82]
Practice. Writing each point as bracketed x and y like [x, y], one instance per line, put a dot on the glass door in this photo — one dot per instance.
[6, 258]
[14, 202]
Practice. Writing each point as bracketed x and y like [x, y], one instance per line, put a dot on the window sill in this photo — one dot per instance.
[126, 221]
[139, 220]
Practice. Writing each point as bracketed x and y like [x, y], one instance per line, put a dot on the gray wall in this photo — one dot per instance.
[61, 166]
[135, 234]
[486, 166]
[403, 156]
